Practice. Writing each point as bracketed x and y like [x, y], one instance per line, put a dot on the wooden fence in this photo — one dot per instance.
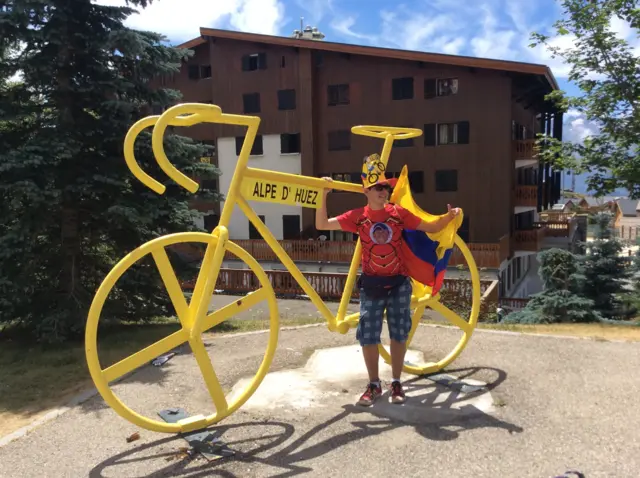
[455, 293]
[485, 254]
[329, 285]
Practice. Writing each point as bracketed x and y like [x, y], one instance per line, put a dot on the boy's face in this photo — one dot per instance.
[378, 194]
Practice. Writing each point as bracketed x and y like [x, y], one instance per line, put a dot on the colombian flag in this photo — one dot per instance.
[426, 255]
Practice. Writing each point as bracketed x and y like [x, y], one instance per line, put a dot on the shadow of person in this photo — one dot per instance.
[437, 412]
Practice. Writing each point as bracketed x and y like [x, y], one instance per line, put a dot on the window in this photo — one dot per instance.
[253, 232]
[255, 150]
[210, 153]
[463, 232]
[255, 61]
[338, 95]
[286, 99]
[290, 226]
[524, 221]
[446, 180]
[403, 143]
[416, 181]
[446, 133]
[194, 72]
[205, 71]
[440, 87]
[251, 102]
[211, 221]
[339, 140]
[289, 143]
[347, 177]
[209, 184]
[402, 88]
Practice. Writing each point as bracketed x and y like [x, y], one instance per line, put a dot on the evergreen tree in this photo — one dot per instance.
[605, 270]
[70, 207]
[560, 299]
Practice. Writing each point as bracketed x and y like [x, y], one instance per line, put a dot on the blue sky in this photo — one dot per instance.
[483, 28]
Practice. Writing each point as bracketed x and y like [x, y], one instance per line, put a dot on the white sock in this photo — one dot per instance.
[395, 380]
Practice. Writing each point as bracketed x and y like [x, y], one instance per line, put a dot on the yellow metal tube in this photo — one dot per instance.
[302, 180]
[208, 276]
[285, 259]
[351, 280]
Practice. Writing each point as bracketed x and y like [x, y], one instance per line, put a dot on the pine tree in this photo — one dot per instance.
[560, 299]
[70, 207]
[605, 270]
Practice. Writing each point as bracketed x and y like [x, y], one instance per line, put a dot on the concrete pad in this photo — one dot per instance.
[332, 373]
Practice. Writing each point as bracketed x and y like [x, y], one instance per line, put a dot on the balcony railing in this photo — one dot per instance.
[329, 286]
[524, 149]
[530, 239]
[489, 255]
[485, 254]
[526, 196]
[558, 225]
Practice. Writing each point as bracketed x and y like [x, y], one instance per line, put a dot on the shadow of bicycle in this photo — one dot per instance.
[439, 413]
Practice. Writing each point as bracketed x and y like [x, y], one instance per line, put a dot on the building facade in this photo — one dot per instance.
[479, 119]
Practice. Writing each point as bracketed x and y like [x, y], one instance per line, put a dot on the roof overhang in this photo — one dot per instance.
[419, 56]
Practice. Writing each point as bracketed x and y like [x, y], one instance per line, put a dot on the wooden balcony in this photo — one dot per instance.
[329, 286]
[524, 149]
[563, 227]
[526, 196]
[529, 240]
[487, 255]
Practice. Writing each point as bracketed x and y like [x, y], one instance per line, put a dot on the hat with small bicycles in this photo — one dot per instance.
[373, 172]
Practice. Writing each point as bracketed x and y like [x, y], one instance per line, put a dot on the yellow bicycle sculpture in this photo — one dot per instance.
[194, 317]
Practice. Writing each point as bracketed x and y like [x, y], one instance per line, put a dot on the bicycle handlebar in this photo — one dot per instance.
[189, 114]
[384, 131]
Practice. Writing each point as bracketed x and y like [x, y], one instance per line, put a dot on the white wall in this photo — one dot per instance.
[270, 159]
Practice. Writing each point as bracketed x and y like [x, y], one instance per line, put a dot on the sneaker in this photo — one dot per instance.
[397, 393]
[370, 395]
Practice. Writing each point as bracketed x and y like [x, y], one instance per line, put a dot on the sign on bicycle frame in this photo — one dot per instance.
[281, 193]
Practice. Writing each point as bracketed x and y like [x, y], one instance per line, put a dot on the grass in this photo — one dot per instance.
[34, 379]
[595, 331]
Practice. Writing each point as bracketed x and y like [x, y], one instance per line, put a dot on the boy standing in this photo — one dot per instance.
[384, 283]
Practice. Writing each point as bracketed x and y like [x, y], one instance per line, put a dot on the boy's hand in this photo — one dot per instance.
[327, 190]
[453, 212]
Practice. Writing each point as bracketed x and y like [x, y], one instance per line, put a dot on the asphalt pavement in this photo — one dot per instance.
[550, 405]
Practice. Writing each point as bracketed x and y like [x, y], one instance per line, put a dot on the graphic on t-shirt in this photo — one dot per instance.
[380, 233]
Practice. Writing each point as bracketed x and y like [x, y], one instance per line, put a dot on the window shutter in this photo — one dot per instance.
[246, 63]
[429, 89]
[463, 132]
[430, 134]
[262, 61]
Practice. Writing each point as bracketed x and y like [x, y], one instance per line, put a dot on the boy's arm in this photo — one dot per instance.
[323, 222]
[441, 222]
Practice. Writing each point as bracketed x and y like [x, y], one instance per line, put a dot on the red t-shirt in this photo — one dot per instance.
[380, 233]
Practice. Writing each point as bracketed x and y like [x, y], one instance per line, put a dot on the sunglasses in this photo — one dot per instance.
[380, 187]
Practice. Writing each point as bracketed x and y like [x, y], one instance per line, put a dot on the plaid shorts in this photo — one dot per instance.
[398, 315]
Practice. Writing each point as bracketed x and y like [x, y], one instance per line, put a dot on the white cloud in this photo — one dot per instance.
[407, 30]
[179, 22]
[577, 128]
[258, 16]
[498, 29]
[494, 41]
[343, 25]
[316, 10]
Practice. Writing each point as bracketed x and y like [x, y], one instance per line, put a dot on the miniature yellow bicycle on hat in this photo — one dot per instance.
[247, 184]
